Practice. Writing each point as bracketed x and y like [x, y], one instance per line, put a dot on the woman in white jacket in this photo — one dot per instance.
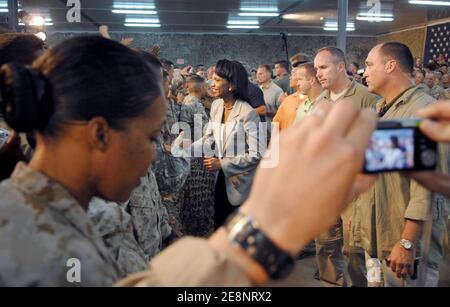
[231, 144]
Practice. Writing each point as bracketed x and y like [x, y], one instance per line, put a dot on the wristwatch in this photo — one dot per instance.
[408, 245]
[245, 232]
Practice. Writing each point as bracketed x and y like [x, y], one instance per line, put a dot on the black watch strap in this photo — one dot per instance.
[245, 232]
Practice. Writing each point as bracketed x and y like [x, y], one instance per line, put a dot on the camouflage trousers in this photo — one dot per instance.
[173, 206]
[197, 210]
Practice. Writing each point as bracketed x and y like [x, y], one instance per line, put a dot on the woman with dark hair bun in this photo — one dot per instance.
[96, 105]
[233, 130]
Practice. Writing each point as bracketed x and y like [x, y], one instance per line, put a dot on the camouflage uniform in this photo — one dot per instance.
[149, 216]
[197, 209]
[172, 116]
[437, 92]
[171, 173]
[193, 106]
[42, 226]
[115, 225]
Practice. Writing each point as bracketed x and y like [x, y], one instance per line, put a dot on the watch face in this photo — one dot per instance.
[406, 244]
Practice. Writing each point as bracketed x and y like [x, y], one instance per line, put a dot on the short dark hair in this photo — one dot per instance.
[266, 67]
[310, 69]
[401, 53]
[168, 65]
[19, 47]
[200, 67]
[337, 53]
[283, 63]
[355, 64]
[235, 73]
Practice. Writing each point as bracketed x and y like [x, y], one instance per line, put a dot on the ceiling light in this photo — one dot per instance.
[259, 9]
[142, 12]
[243, 27]
[142, 20]
[260, 14]
[37, 21]
[3, 10]
[134, 5]
[335, 29]
[41, 35]
[290, 16]
[333, 26]
[143, 25]
[243, 22]
[447, 3]
[367, 18]
[375, 15]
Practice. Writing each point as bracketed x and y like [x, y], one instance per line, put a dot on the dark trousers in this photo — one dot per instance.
[222, 207]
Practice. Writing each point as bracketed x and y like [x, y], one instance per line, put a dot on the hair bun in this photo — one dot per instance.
[25, 98]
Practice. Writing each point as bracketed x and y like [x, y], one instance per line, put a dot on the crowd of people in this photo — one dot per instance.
[152, 174]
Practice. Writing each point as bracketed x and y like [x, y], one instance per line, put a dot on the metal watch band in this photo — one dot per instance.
[244, 231]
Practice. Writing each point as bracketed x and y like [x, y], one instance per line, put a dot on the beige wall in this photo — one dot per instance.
[414, 39]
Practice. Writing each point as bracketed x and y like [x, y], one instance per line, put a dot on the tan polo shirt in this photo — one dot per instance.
[357, 93]
[379, 214]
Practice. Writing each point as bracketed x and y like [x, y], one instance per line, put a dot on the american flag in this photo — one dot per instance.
[438, 41]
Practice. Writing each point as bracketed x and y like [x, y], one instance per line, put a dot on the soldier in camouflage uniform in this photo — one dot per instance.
[197, 210]
[171, 173]
[116, 227]
[135, 230]
[42, 226]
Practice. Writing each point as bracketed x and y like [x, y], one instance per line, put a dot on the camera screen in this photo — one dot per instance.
[3, 136]
[390, 149]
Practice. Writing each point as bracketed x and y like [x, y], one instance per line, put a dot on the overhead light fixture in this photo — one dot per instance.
[375, 17]
[366, 18]
[260, 14]
[443, 3]
[290, 16]
[143, 25]
[4, 11]
[140, 12]
[243, 22]
[243, 27]
[134, 5]
[42, 36]
[259, 9]
[142, 20]
[37, 21]
[333, 26]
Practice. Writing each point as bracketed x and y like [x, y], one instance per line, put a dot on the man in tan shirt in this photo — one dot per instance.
[395, 209]
[331, 66]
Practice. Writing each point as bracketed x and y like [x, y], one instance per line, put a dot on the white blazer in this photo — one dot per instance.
[237, 145]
